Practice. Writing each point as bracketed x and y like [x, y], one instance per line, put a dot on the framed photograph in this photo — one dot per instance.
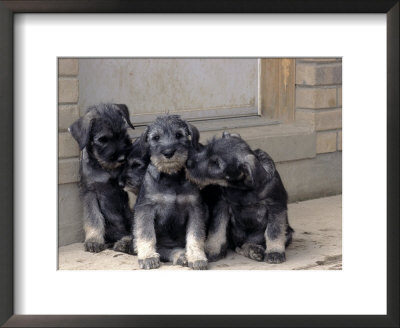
[272, 79]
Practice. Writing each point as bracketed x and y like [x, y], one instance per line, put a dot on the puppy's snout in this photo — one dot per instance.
[168, 153]
[121, 159]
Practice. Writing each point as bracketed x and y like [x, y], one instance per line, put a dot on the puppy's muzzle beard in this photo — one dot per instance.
[107, 165]
[169, 165]
[129, 188]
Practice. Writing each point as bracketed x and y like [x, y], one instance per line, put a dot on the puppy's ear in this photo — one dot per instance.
[248, 169]
[248, 174]
[226, 134]
[123, 109]
[143, 139]
[266, 162]
[195, 135]
[80, 129]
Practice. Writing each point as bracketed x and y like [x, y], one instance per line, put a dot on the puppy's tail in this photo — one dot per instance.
[288, 234]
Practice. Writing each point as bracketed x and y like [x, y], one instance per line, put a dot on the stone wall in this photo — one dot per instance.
[68, 112]
[319, 100]
[69, 206]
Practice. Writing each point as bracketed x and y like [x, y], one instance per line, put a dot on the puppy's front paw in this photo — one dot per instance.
[252, 251]
[150, 263]
[124, 245]
[213, 257]
[275, 257]
[256, 252]
[198, 265]
[94, 247]
[181, 260]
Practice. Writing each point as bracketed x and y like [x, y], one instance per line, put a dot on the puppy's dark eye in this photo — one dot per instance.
[156, 138]
[214, 162]
[136, 165]
[103, 139]
[178, 135]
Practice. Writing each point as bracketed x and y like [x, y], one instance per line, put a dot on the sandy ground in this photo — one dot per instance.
[317, 245]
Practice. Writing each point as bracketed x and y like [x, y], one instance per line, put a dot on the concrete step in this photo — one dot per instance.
[284, 142]
[222, 123]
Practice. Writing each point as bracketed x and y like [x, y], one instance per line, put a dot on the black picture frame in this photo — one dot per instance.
[11, 7]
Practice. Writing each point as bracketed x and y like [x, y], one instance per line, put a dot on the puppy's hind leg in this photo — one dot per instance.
[275, 235]
[175, 255]
[93, 224]
[125, 244]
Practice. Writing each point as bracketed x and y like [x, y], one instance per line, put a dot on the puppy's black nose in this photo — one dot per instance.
[168, 153]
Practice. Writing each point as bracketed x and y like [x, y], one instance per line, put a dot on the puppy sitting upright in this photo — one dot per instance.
[102, 137]
[251, 216]
[169, 216]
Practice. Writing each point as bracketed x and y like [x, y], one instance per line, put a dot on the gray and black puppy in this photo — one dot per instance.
[251, 215]
[169, 215]
[103, 139]
[136, 165]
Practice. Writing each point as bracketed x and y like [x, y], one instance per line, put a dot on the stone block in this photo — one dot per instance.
[68, 66]
[321, 120]
[339, 141]
[67, 114]
[326, 142]
[319, 60]
[68, 170]
[328, 120]
[67, 145]
[305, 116]
[315, 97]
[68, 90]
[312, 178]
[318, 74]
[70, 215]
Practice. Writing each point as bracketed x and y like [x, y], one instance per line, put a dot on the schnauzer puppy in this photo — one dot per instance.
[169, 215]
[135, 168]
[251, 215]
[103, 139]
